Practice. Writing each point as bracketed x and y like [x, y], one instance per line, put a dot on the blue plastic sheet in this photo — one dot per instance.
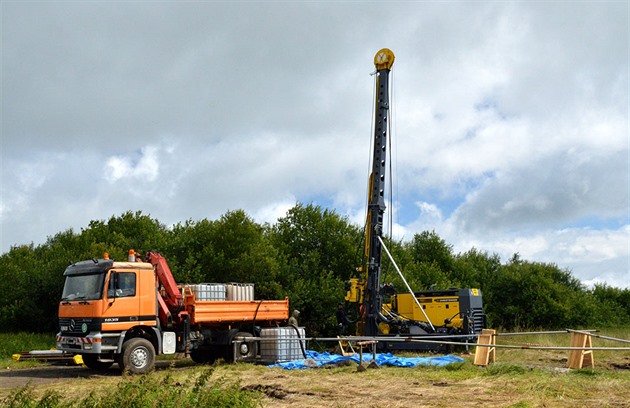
[315, 359]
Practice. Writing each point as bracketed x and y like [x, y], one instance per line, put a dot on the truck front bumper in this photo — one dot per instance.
[92, 343]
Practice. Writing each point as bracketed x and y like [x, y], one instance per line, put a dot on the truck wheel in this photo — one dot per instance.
[137, 356]
[91, 361]
[246, 350]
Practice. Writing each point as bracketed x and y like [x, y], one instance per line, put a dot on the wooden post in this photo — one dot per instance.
[581, 358]
[485, 355]
[342, 347]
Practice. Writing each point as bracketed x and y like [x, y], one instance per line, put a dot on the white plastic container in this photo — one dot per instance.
[249, 291]
[282, 344]
[209, 291]
[240, 291]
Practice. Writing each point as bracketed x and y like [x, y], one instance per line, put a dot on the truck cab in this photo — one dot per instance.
[105, 303]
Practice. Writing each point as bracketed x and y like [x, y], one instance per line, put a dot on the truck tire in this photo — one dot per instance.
[246, 350]
[137, 357]
[91, 361]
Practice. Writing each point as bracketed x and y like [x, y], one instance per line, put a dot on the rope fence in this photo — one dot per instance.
[580, 350]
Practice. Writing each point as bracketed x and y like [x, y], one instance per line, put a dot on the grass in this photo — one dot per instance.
[15, 343]
[518, 378]
[501, 384]
[152, 390]
[542, 358]
[12, 343]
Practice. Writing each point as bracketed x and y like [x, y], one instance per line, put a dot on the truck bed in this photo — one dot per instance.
[230, 311]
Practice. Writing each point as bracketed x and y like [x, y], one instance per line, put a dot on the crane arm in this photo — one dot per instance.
[173, 302]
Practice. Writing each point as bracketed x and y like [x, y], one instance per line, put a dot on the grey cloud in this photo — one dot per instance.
[95, 74]
[518, 106]
[553, 191]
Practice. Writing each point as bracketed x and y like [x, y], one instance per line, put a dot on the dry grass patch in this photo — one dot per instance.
[519, 378]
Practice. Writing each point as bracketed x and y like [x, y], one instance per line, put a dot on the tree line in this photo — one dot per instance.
[307, 255]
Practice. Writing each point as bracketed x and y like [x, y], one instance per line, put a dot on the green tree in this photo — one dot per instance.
[473, 267]
[428, 247]
[315, 239]
[429, 262]
[31, 280]
[243, 253]
[317, 250]
[231, 249]
[308, 255]
[127, 231]
[18, 276]
[190, 252]
[535, 295]
[613, 304]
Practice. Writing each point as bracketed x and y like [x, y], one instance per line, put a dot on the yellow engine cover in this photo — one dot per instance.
[437, 308]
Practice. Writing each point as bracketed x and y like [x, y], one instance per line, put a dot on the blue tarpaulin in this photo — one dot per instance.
[315, 359]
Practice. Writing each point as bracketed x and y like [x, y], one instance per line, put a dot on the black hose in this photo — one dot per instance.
[254, 319]
[299, 341]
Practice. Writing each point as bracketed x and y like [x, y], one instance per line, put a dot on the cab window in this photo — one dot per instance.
[122, 284]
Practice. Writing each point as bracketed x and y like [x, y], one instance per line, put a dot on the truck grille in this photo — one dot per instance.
[78, 325]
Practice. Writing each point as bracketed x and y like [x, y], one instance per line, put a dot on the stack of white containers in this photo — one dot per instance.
[223, 291]
[240, 291]
[282, 344]
[208, 291]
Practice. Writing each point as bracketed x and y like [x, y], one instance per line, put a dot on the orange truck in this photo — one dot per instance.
[129, 312]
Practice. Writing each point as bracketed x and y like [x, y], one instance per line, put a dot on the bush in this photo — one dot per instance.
[149, 390]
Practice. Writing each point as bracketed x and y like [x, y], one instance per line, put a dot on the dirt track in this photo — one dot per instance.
[10, 379]
[41, 375]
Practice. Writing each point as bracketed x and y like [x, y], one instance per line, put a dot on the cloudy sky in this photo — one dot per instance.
[510, 119]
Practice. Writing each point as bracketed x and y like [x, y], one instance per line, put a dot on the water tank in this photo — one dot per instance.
[282, 344]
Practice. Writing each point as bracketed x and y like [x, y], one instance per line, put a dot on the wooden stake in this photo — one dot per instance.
[342, 347]
[581, 358]
[485, 355]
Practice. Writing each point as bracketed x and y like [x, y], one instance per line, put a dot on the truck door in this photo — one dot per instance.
[122, 306]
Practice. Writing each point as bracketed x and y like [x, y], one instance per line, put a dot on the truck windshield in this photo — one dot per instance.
[83, 287]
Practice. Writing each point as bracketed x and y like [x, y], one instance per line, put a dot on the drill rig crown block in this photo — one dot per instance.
[384, 59]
